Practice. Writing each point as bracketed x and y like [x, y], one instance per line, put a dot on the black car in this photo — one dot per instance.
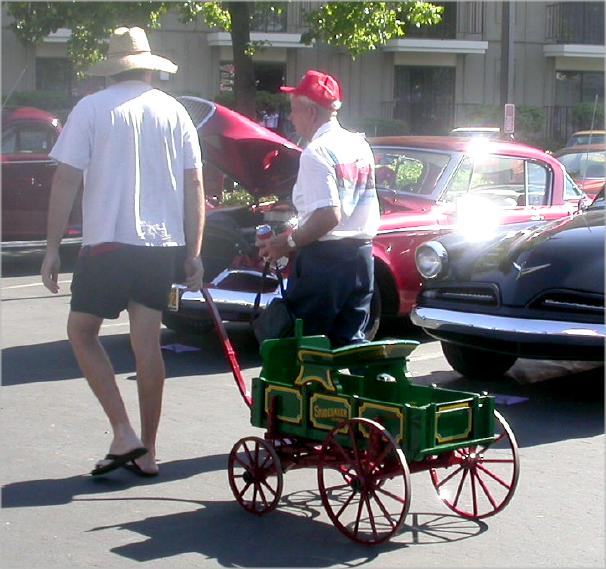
[537, 292]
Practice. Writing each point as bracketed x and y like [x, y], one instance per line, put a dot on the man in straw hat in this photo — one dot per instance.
[331, 284]
[137, 152]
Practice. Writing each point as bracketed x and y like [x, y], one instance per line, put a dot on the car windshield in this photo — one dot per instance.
[593, 138]
[585, 164]
[409, 170]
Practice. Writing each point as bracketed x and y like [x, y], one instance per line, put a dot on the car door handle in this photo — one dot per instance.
[537, 217]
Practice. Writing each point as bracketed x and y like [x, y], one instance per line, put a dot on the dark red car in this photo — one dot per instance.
[427, 187]
[28, 135]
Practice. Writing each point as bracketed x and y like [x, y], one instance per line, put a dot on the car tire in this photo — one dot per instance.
[374, 317]
[477, 364]
[185, 325]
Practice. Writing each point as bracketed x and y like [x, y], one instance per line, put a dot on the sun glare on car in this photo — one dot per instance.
[478, 218]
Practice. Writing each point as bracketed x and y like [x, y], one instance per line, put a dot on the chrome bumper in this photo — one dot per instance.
[438, 320]
[227, 301]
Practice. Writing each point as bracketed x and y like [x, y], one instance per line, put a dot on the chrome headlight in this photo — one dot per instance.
[431, 259]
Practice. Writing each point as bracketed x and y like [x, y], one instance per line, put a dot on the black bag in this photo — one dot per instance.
[276, 321]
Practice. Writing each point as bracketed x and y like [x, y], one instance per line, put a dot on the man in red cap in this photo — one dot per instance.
[331, 283]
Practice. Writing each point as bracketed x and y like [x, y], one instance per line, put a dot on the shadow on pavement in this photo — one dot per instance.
[55, 361]
[223, 531]
[59, 491]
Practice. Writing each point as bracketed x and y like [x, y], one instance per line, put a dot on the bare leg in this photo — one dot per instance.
[145, 324]
[83, 333]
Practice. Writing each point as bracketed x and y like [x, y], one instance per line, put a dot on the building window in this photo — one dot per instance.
[425, 98]
[574, 87]
[53, 74]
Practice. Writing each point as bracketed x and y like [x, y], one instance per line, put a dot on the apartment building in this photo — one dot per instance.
[545, 55]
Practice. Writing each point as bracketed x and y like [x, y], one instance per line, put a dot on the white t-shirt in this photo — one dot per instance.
[133, 143]
[337, 169]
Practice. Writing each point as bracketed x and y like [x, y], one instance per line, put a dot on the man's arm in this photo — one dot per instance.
[66, 183]
[320, 222]
[194, 215]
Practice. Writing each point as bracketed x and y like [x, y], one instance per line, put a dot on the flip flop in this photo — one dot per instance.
[134, 467]
[118, 460]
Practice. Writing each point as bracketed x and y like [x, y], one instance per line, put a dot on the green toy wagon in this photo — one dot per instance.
[354, 415]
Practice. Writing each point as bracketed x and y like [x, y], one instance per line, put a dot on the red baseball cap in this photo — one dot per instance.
[319, 87]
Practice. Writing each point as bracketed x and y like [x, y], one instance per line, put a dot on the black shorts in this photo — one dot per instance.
[108, 276]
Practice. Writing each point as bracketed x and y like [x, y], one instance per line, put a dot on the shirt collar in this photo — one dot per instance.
[328, 125]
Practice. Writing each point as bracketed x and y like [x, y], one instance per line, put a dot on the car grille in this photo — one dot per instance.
[572, 302]
[484, 295]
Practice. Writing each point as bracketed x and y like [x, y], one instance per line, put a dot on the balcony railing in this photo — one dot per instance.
[445, 30]
[268, 21]
[293, 20]
[576, 22]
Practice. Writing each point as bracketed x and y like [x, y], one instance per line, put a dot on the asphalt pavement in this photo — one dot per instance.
[55, 515]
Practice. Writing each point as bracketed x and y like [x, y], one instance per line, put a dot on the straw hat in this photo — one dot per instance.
[129, 49]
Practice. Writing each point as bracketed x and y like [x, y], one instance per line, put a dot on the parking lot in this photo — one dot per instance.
[55, 515]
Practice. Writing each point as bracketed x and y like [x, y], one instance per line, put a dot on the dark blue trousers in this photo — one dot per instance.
[330, 287]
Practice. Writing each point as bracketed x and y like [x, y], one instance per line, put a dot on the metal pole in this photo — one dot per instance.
[507, 52]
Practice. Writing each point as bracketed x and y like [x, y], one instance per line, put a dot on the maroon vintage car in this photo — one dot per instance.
[586, 164]
[28, 134]
[427, 186]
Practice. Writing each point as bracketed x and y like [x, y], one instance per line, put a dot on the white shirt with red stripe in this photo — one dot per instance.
[337, 169]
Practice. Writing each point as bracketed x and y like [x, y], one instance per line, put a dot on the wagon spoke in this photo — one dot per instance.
[487, 492]
[341, 450]
[243, 491]
[340, 487]
[256, 453]
[358, 516]
[371, 516]
[267, 459]
[449, 477]
[379, 460]
[242, 463]
[461, 482]
[247, 451]
[387, 515]
[494, 476]
[473, 477]
[344, 506]
[265, 502]
[354, 446]
[264, 482]
[392, 495]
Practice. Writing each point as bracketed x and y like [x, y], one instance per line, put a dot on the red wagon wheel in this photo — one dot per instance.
[255, 475]
[364, 485]
[484, 477]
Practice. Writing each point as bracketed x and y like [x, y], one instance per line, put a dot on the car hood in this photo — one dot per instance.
[567, 254]
[260, 160]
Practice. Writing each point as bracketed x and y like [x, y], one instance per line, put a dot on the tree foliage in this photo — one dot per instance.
[90, 24]
[362, 26]
[356, 26]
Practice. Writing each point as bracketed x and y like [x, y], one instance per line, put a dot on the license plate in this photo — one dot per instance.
[173, 299]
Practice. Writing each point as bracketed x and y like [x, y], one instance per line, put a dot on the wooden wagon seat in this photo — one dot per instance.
[370, 359]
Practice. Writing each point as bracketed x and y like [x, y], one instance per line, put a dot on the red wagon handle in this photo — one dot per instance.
[228, 349]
